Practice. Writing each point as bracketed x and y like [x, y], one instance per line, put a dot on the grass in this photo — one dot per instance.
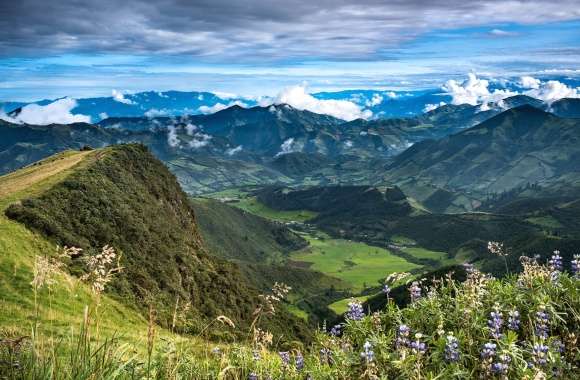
[545, 221]
[61, 308]
[358, 264]
[251, 204]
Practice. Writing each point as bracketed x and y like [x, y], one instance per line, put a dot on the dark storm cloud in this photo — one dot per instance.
[250, 30]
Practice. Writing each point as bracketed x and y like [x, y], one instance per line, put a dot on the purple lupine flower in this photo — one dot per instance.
[513, 320]
[502, 366]
[336, 330]
[402, 336]
[253, 376]
[299, 361]
[540, 354]
[495, 323]
[415, 291]
[355, 311]
[368, 354]
[386, 290]
[558, 346]
[285, 356]
[488, 350]
[556, 262]
[542, 322]
[418, 347]
[575, 265]
[451, 349]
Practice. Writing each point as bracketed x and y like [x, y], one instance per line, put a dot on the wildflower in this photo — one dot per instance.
[336, 330]
[386, 290]
[556, 262]
[368, 355]
[285, 356]
[355, 311]
[496, 248]
[502, 366]
[279, 292]
[415, 291]
[542, 321]
[325, 356]
[513, 320]
[101, 269]
[575, 266]
[495, 322]
[299, 362]
[402, 336]
[418, 347]
[216, 351]
[540, 352]
[558, 346]
[253, 376]
[256, 355]
[451, 349]
[488, 350]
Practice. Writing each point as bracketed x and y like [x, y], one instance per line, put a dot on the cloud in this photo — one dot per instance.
[190, 129]
[288, 146]
[474, 91]
[553, 90]
[529, 82]
[252, 28]
[234, 151]
[172, 138]
[57, 112]
[431, 107]
[199, 140]
[154, 112]
[119, 97]
[299, 98]
[501, 33]
[376, 100]
[220, 106]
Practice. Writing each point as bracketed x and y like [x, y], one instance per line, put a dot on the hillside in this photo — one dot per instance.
[119, 199]
[519, 146]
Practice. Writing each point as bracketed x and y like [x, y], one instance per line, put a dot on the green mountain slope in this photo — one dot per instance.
[519, 146]
[128, 199]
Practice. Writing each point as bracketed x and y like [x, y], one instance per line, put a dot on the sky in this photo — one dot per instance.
[81, 48]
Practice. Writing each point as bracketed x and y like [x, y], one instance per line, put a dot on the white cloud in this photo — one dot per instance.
[288, 146]
[190, 129]
[299, 98]
[234, 151]
[199, 140]
[391, 94]
[220, 106]
[172, 138]
[432, 106]
[57, 112]
[119, 97]
[103, 116]
[529, 82]
[375, 101]
[153, 112]
[553, 90]
[502, 33]
[474, 91]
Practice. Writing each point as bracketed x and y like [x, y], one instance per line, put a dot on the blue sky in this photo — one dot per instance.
[259, 48]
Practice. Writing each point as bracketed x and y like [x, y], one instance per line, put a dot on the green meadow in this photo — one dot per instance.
[358, 264]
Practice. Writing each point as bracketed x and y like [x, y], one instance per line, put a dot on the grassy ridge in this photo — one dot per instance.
[128, 199]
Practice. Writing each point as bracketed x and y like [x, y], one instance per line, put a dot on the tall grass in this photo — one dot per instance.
[524, 326]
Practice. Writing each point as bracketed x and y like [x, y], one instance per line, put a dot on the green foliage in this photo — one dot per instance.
[129, 200]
